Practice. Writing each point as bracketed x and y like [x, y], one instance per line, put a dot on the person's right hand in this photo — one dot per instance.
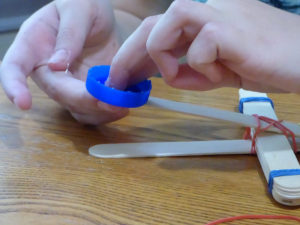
[236, 43]
[65, 33]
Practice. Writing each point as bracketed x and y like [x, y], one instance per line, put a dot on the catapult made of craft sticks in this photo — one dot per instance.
[277, 158]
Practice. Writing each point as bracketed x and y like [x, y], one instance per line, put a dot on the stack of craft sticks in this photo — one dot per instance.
[277, 158]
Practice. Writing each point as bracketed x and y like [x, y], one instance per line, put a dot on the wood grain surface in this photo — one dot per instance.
[47, 176]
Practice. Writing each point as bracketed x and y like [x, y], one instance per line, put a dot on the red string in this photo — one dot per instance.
[243, 217]
[247, 135]
[278, 124]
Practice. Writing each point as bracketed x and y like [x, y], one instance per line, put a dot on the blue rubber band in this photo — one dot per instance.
[280, 173]
[134, 96]
[253, 99]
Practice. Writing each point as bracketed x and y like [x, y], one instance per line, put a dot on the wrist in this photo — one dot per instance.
[126, 23]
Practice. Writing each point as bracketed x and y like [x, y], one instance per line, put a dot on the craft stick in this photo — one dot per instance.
[275, 153]
[167, 149]
[215, 113]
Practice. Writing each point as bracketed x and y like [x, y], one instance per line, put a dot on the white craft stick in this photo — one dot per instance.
[275, 153]
[215, 113]
[166, 149]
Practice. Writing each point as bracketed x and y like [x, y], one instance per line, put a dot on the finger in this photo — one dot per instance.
[216, 45]
[14, 83]
[97, 119]
[75, 23]
[17, 64]
[72, 94]
[181, 23]
[189, 79]
[217, 41]
[132, 63]
[202, 56]
[22, 57]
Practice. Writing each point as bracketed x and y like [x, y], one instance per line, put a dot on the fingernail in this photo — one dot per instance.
[111, 84]
[117, 82]
[107, 82]
[60, 56]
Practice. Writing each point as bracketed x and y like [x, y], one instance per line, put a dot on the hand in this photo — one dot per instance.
[66, 33]
[236, 43]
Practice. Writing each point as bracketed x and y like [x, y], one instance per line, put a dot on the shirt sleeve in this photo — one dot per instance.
[288, 5]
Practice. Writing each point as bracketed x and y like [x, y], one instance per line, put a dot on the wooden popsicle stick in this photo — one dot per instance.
[215, 113]
[167, 149]
[275, 153]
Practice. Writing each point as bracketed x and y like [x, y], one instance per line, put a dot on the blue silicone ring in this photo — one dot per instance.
[134, 96]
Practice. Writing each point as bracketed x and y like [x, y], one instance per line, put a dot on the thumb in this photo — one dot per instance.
[75, 24]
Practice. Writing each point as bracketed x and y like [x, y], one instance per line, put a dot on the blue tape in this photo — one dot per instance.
[134, 96]
[280, 173]
[253, 99]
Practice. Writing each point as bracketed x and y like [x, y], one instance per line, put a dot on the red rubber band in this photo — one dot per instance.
[278, 124]
[244, 217]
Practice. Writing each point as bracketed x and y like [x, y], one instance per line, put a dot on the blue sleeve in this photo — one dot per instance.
[288, 5]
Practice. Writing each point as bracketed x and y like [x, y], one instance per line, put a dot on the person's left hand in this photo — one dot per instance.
[75, 32]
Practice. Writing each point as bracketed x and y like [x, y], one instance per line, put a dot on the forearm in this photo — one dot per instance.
[130, 13]
[126, 23]
[142, 8]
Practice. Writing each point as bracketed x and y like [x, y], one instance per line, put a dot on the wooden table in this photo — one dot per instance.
[48, 177]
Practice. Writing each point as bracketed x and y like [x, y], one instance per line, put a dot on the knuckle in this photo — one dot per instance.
[151, 47]
[28, 27]
[66, 33]
[210, 34]
[210, 31]
[179, 9]
[192, 61]
[148, 23]
[52, 92]
[146, 28]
